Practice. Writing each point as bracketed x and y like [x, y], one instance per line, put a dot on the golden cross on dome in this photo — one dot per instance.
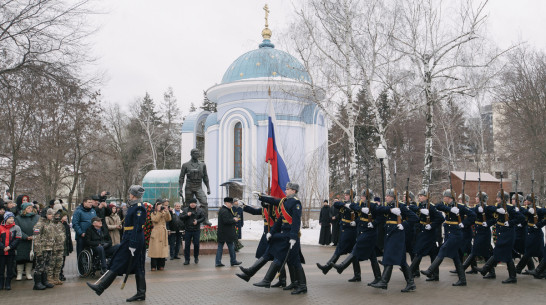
[266, 9]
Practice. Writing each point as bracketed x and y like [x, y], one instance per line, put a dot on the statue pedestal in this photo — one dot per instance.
[207, 248]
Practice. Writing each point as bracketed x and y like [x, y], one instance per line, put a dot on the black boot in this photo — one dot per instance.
[385, 278]
[511, 273]
[408, 275]
[250, 271]
[2, 278]
[491, 275]
[356, 271]
[460, 272]
[344, 264]
[45, 282]
[140, 288]
[266, 282]
[7, 283]
[489, 265]
[468, 262]
[430, 272]
[530, 266]
[414, 267]
[302, 282]
[282, 279]
[293, 279]
[329, 264]
[537, 272]
[376, 271]
[522, 263]
[104, 282]
[38, 282]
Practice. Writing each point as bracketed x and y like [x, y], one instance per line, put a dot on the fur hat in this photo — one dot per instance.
[136, 190]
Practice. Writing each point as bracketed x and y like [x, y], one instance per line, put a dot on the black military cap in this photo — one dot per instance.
[228, 199]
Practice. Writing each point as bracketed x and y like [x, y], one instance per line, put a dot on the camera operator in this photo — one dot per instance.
[192, 217]
[100, 206]
[158, 250]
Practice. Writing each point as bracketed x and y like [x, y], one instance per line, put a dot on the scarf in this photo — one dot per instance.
[5, 229]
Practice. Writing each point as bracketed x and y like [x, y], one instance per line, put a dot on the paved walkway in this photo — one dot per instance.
[205, 284]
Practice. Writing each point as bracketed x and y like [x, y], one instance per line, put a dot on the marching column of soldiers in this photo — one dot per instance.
[409, 228]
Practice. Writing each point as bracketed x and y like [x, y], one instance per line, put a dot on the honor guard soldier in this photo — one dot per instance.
[468, 232]
[131, 253]
[521, 232]
[347, 237]
[395, 250]
[534, 243]
[409, 200]
[284, 240]
[532, 200]
[368, 220]
[458, 217]
[269, 214]
[485, 218]
[430, 220]
[508, 219]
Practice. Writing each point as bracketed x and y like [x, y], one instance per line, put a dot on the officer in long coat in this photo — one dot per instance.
[507, 220]
[284, 240]
[129, 257]
[534, 242]
[347, 237]
[395, 244]
[458, 216]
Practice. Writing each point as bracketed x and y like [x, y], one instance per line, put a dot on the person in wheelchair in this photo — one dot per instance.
[98, 238]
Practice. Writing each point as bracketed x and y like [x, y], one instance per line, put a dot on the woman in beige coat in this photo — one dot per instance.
[158, 250]
[114, 226]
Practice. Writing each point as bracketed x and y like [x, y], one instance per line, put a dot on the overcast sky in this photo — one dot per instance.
[147, 46]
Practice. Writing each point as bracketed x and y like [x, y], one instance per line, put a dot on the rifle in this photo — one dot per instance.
[428, 197]
[453, 198]
[407, 192]
[516, 193]
[463, 197]
[399, 217]
[535, 215]
[480, 194]
[368, 196]
[269, 188]
[506, 217]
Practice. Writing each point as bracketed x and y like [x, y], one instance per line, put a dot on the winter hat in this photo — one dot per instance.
[8, 215]
[50, 211]
[136, 190]
[57, 207]
[26, 205]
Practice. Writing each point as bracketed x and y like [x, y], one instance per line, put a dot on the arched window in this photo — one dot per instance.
[238, 151]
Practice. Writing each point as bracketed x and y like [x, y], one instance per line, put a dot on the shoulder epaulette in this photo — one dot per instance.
[509, 204]
[139, 204]
[296, 198]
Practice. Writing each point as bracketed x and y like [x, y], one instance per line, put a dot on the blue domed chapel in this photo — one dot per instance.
[234, 139]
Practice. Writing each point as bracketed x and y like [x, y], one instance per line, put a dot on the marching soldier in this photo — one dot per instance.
[367, 222]
[534, 243]
[507, 220]
[468, 233]
[129, 257]
[521, 233]
[430, 220]
[409, 229]
[485, 218]
[284, 240]
[394, 249]
[458, 217]
[347, 238]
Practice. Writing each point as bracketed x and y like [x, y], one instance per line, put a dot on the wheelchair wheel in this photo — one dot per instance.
[85, 263]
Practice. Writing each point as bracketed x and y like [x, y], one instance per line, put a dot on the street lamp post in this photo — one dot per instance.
[381, 154]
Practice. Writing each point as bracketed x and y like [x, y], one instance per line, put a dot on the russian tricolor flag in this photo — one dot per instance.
[279, 174]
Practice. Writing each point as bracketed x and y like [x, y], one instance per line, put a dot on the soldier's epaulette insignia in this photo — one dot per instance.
[296, 198]
[432, 204]
[509, 204]
[139, 204]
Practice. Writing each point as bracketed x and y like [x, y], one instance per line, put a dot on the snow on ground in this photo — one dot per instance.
[253, 230]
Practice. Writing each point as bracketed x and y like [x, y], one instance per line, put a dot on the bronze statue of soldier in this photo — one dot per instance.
[196, 172]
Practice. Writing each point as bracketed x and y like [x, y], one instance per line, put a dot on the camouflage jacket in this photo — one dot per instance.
[44, 235]
[60, 235]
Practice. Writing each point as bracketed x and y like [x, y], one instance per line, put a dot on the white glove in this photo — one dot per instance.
[535, 226]
[132, 251]
[531, 211]
[480, 209]
[461, 225]
[396, 211]
[428, 227]
[292, 243]
[370, 225]
[424, 211]
[455, 210]
[365, 210]
[501, 211]
[506, 224]
[517, 209]
[400, 227]
[347, 205]
[268, 236]
[257, 193]
[353, 223]
[484, 224]
[519, 225]
[242, 202]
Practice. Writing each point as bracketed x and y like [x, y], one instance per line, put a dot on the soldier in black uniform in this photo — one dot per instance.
[368, 220]
[458, 216]
[130, 255]
[430, 220]
[409, 229]
[395, 246]
[347, 238]
[284, 240]
[507, 220]
[539, 271]
[534, 243]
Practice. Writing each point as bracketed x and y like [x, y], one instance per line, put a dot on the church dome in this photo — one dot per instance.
[266, 61]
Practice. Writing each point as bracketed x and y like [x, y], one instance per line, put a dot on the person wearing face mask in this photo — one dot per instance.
[26, 221]
[10, 235]
[44, 240]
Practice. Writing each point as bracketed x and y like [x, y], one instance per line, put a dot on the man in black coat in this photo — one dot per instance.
[176, 228]
[98, 238]
[227, 220]
[325, 220]
[192, 217]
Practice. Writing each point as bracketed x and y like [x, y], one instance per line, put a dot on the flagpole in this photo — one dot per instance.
[269, 175]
